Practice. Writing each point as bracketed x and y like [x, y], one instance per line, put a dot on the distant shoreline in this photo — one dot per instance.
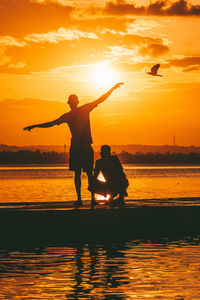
[66, 165]
[24, 157]
[130, 148]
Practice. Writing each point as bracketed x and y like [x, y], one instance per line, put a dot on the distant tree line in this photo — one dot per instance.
[38, 157]
[160, 158]
[32, 157]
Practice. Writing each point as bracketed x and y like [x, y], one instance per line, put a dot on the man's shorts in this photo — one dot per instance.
[81, 157]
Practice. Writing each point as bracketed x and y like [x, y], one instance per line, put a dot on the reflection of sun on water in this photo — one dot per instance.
[103, 75]
[100, 197]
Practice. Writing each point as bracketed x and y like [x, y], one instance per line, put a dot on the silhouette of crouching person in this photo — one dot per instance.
[115, 178]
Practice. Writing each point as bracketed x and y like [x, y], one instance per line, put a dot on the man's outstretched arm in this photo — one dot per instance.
[106, 95]
[58, 121]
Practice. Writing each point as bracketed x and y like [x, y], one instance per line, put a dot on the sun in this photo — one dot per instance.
[103, 75]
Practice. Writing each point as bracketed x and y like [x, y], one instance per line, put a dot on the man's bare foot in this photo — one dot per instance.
[77, 204]
[119, 202]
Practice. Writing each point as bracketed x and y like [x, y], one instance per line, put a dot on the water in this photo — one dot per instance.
[130, 269]
[47, 183]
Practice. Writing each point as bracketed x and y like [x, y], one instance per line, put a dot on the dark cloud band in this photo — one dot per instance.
[158, 8]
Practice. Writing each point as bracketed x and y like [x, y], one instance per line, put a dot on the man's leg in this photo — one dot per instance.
[77, 181]
[90, 186]
[121, 199]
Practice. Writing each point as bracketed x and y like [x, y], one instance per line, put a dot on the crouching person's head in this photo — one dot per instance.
[105, 151]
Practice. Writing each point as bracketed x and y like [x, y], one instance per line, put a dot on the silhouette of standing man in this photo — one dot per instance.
[81, 154]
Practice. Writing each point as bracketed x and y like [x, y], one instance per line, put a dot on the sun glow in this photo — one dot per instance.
[102, 198]
[103, 75]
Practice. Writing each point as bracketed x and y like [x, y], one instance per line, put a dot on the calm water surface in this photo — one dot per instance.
[55, 183]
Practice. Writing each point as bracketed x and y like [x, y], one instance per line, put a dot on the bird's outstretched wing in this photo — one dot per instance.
[155, 68]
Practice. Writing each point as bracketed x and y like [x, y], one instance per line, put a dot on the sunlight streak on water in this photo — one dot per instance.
[130, 270]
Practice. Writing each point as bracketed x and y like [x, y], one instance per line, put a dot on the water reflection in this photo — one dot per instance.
[128, 270]
[97, 272]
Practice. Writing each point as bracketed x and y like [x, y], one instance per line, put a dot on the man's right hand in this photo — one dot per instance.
[29, 128]
[106, 95]
[117, 85]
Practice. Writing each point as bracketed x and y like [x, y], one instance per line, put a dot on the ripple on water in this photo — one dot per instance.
[129, 270]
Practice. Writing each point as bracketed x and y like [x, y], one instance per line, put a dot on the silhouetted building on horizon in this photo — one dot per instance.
[174, 140]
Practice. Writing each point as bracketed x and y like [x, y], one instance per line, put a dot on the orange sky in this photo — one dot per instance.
[50, 49]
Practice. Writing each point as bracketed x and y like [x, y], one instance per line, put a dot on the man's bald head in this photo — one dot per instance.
[73, 101]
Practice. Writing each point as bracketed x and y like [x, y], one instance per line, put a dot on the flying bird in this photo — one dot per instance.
[154, 70]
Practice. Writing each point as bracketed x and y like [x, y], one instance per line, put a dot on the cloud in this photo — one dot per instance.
[192, 68]
[126, 37]
[60, 35]
[11, 41]
[182, 8]
[129, 67]
[68, 46]
[4, 60]
[5, 42]
[158, 8]
[99, 23]
[185, 62]
[38, 40]
[60, 2]
[18, 65]
[140, 26]
[19, 18]
[121, 51]
[41, 58]
[69, 73]
[133, 47]
[154, 50]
